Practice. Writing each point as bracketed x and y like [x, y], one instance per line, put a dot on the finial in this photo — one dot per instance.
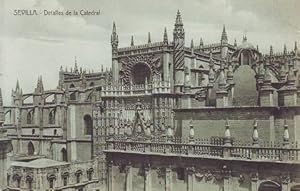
[132, 42]
[201, 42]
[286, 135]
[244, 38]
[295, 48]
[17, 85]
[271, 50]
[235, 44]
[291, 76]
[75, 67]
[257, 48]
[149, 38]
[284, 49]
[165, 38]
[227, 136]
[61, 68]
[1, 100]
[192, 132]
[192, 44]
[255, 133]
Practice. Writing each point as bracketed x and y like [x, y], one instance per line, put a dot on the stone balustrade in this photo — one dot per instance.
[264, 151]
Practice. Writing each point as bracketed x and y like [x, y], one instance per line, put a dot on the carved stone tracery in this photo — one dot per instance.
[153, 63]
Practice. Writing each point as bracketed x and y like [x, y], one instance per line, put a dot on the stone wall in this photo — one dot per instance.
[210, 122]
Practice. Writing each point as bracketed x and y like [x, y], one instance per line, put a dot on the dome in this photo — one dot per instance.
[246, 45]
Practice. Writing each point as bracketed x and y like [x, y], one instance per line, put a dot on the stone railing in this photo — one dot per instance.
[206, 149]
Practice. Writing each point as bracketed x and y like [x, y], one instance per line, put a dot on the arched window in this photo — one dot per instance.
[88, 125]
[64, 155]
[17, 178]
[65, 177]
[30, 117]
[92, 84]
[72, 86]
[90, 174]
[30, 148]
[51, 179]
[52, 117]
[78, 174]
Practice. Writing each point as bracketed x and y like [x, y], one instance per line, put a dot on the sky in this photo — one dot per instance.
[38, 45]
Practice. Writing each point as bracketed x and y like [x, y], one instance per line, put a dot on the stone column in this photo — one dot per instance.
[148, 185]
[128, 177]
[285, 182]
[190, 178]
[110, 176]
[168, 179]
[254, 181]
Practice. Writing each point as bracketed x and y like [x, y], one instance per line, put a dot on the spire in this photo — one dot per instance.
[284, 50]
[257, 48]
[132, 42]
[178, 33]
[165, 38]
[224, 38]
[235, 44]
[149, 38]
[61, 68]
[295, 48]
[39, 86]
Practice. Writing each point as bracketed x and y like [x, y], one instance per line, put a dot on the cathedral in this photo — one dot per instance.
[166, 116]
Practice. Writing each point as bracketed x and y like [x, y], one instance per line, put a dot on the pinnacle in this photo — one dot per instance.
[165, 38]
[178, 19]
[132, 42]
[224, 34]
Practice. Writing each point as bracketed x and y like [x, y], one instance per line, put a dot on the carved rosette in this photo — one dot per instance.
[127, 65]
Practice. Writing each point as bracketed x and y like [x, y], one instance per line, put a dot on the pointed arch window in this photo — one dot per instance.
[88, 125]
[52, 117]
[30, 117]
[30, 148]
[73, 96]
[64, 155]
